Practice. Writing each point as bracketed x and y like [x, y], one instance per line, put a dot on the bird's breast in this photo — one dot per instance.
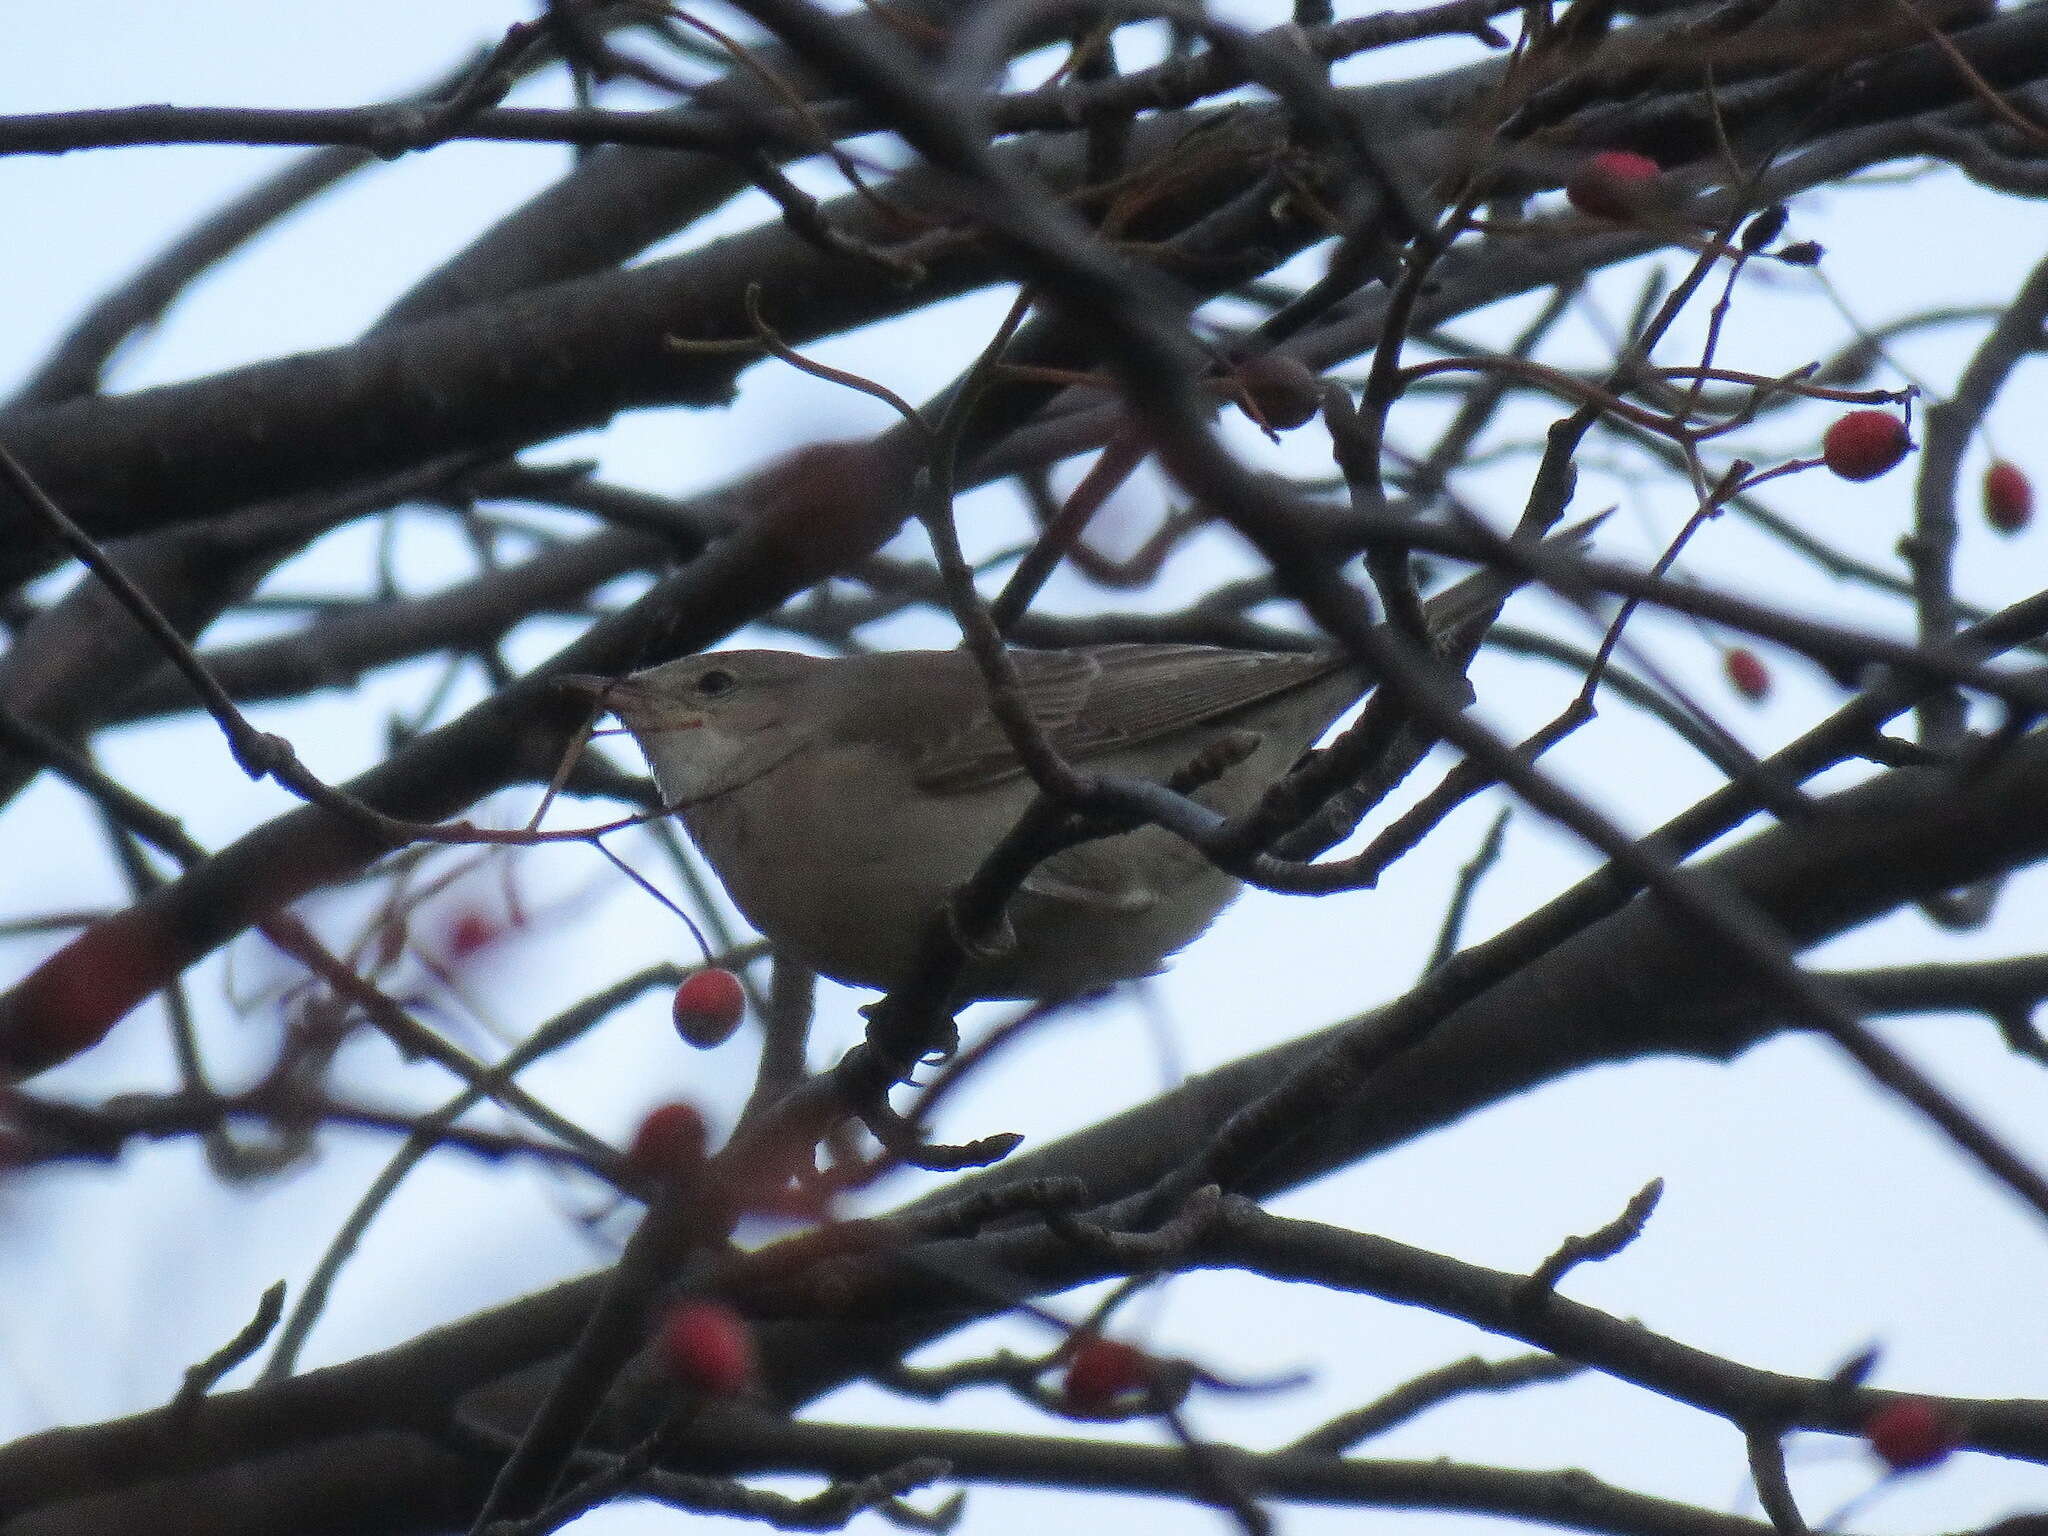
[839, 858]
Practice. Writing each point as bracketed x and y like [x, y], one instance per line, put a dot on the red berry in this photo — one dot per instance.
[1909, 1433]
[1103, 1373]
[1747, 674]
[707, 1347]
[1282, 392]
[669, 1144]
[2008, 497]
[709, 1006]
[470, 932]
[1864, 444]
[1613, 184]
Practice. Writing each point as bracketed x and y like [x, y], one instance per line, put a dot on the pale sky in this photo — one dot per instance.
[1805, 1215]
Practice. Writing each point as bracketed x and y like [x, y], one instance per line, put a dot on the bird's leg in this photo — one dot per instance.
[999, 941]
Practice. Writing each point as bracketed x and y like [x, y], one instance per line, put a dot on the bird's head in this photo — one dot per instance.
[710, 723]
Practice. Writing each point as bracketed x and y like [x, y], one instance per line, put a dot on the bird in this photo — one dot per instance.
[841, 800]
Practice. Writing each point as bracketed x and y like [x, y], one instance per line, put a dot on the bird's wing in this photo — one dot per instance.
[1102, 698]
[1096, 699]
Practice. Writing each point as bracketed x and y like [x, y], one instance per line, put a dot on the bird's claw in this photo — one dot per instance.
[995, 945]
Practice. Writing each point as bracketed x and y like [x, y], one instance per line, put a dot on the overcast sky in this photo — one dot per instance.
[1805, 1216]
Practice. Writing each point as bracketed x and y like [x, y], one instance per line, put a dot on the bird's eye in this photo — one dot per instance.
[712, 684]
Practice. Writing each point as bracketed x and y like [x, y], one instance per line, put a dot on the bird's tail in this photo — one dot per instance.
[1460, 615]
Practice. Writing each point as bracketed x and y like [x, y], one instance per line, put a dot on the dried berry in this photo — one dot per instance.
[670, 1143]
[707, 1347]
[2008, 497]
[1105, 1374]
[1747, 674]
[709, 1006]
[1864, 444]
[1614, 184]
[1282, 393]
[1909, 1433]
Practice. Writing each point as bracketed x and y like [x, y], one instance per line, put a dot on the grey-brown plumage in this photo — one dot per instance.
[841, 801]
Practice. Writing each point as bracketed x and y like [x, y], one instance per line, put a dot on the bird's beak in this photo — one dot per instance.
[605, 695]
[642, 708]
[620, 696]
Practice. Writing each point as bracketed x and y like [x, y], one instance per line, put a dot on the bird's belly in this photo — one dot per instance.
[1065, 947]
[850, 894]
[851, 900]
[847, 896]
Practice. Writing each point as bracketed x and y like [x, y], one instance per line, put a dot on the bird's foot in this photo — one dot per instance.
[995, 945]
